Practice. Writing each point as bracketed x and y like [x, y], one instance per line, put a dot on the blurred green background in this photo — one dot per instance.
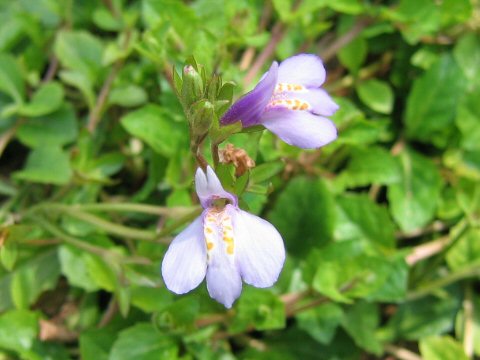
[381, 226]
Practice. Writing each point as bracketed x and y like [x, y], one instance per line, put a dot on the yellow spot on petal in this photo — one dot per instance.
[230, 249]
[209, 245]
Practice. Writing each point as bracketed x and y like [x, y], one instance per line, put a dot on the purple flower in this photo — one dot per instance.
[225, 244]
[288, 101]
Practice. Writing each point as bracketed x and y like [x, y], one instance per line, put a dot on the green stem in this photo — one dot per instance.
[468, 321]
[215, 157]
[109, 227]
[112, 228]
[466, 273]
[56, 231]
[132, 207]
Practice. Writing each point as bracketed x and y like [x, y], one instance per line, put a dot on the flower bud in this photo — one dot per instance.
[201, 117]
[192, 89]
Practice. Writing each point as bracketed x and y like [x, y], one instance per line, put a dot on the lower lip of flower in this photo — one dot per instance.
[281, 99]
[218, 232]
[281, 87]
[290, 104]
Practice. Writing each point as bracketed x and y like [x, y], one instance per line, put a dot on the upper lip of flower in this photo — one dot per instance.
[289, 102]
[227, 245]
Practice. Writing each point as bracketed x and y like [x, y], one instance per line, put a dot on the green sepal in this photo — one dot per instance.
[192, 87]
[201, 116]
[219, 134]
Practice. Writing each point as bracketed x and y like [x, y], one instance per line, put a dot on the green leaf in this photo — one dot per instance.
[413, 201]
[358, 218]
[345, 6]
[468, 197]
[96, 343]
[266, 171]
[394, 287]
[343, 271]
[143, 342]
[59, 128]
[5, 296]
[9, 254]
[466, 250]
[152, 125]
[353, 55]
[258, 308]
[46, 164]
[11, 32]
[467, 119]
[360, 322]
[283, 8]
[18, 330]
[441, 348]
[74, 267]
[456, 11]
[465, 164]
[11, 81]
[104, 19]
[432, 103]
[420, 318]
[34, 277]
[297, 212]
[321, 322]
[419, 18]
[150, 299]
[180, 315]
[83, 83]
[330, 278]
[467, 56]
[364, 132]
[101, 273]
[294, 344]
[377, 95]
[80, 51]
[128, 96]
[47, 11]
[10, 238]
[372, 165]
[332, 253]
[46, 100]
[123, 295]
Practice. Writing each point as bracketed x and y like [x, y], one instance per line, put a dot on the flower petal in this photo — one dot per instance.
[201, 186]
[223, 279]
[300, 128]
[185, 262]
[209, 188]
[319, 100]
[250, 107]
[259, 249]
[303, 69]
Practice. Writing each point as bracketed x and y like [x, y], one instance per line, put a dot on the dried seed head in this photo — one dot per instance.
[238, 157]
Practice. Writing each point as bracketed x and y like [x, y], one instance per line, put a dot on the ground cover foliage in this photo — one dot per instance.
[381, 226]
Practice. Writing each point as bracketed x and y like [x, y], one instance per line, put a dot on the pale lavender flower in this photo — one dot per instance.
[289, 102]
[225, 244]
